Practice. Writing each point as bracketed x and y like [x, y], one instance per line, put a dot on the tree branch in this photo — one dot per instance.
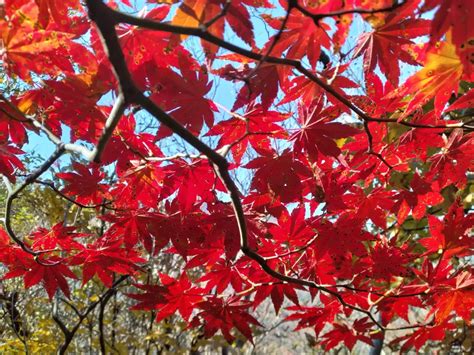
[16, 192]
[110, 124]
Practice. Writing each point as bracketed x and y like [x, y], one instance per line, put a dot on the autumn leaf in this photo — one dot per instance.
[459, 299]
[86, 184]
[9, 161]
[52, 273]
[255, 128]
[317, 134]
[388, 44]
[193, 13]
[25, 50]
[450, 236]
[184, 96]
[180, 296]
[59, 235]
[219, 314]
[438, 79]
[280, 175]
[301, 37]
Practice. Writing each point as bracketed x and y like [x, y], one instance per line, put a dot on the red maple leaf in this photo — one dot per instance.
[184, 96]
[318, 134]
[450, 236]
[104, 258]
[51, 272]
[254, 127]
[9, 161]
[59, 235]
[280, 175]
[85, 184]
[220, 314]
[301, 37]
[459, 299]
[348, 335]
[180, 296]
[389, 43]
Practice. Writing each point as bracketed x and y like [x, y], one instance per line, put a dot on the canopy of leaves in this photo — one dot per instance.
[213, 156]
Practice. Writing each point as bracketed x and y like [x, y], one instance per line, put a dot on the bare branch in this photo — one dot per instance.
[16, 192]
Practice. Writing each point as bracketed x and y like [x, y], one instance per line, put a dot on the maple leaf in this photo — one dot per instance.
[141, 182]
[420, 195]
[292, 229]
[193, 13]
[144, 49]
[57, 11]
[373, 206]
[12, 126]
[312, 181]
[307, 91]
[349, 336]
[452, 15]
[152, 298]
[301, 37]
[219, 314]
[452, 235]
[180, 296]
[387, 260]
[85, 184]
[261, 82]
[185, 232]
[277, 294]
[192, 180]
[343, 237]
[104, 258]
[420, 336]
[449, 166]
[9, 160]
[134, 226]
[386, 45]
[220, 276]
[280, 175]
[459, 299]
[401, 307]
[465, 101]
[184, 97]
[51, 273]
[126, 146]
[431, 277]
[439, 78]
[213, 252]
[374, 101]
[255, 128]
[71, 101]
[59, 235]
[315, 317]
[25, 50]
[317, 134]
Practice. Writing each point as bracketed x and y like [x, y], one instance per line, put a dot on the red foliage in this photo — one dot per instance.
[358, 190]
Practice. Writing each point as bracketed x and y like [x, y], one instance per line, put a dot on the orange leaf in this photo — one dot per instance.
[438, 79]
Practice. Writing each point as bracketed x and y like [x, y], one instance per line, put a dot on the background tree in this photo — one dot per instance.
[200, 162]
